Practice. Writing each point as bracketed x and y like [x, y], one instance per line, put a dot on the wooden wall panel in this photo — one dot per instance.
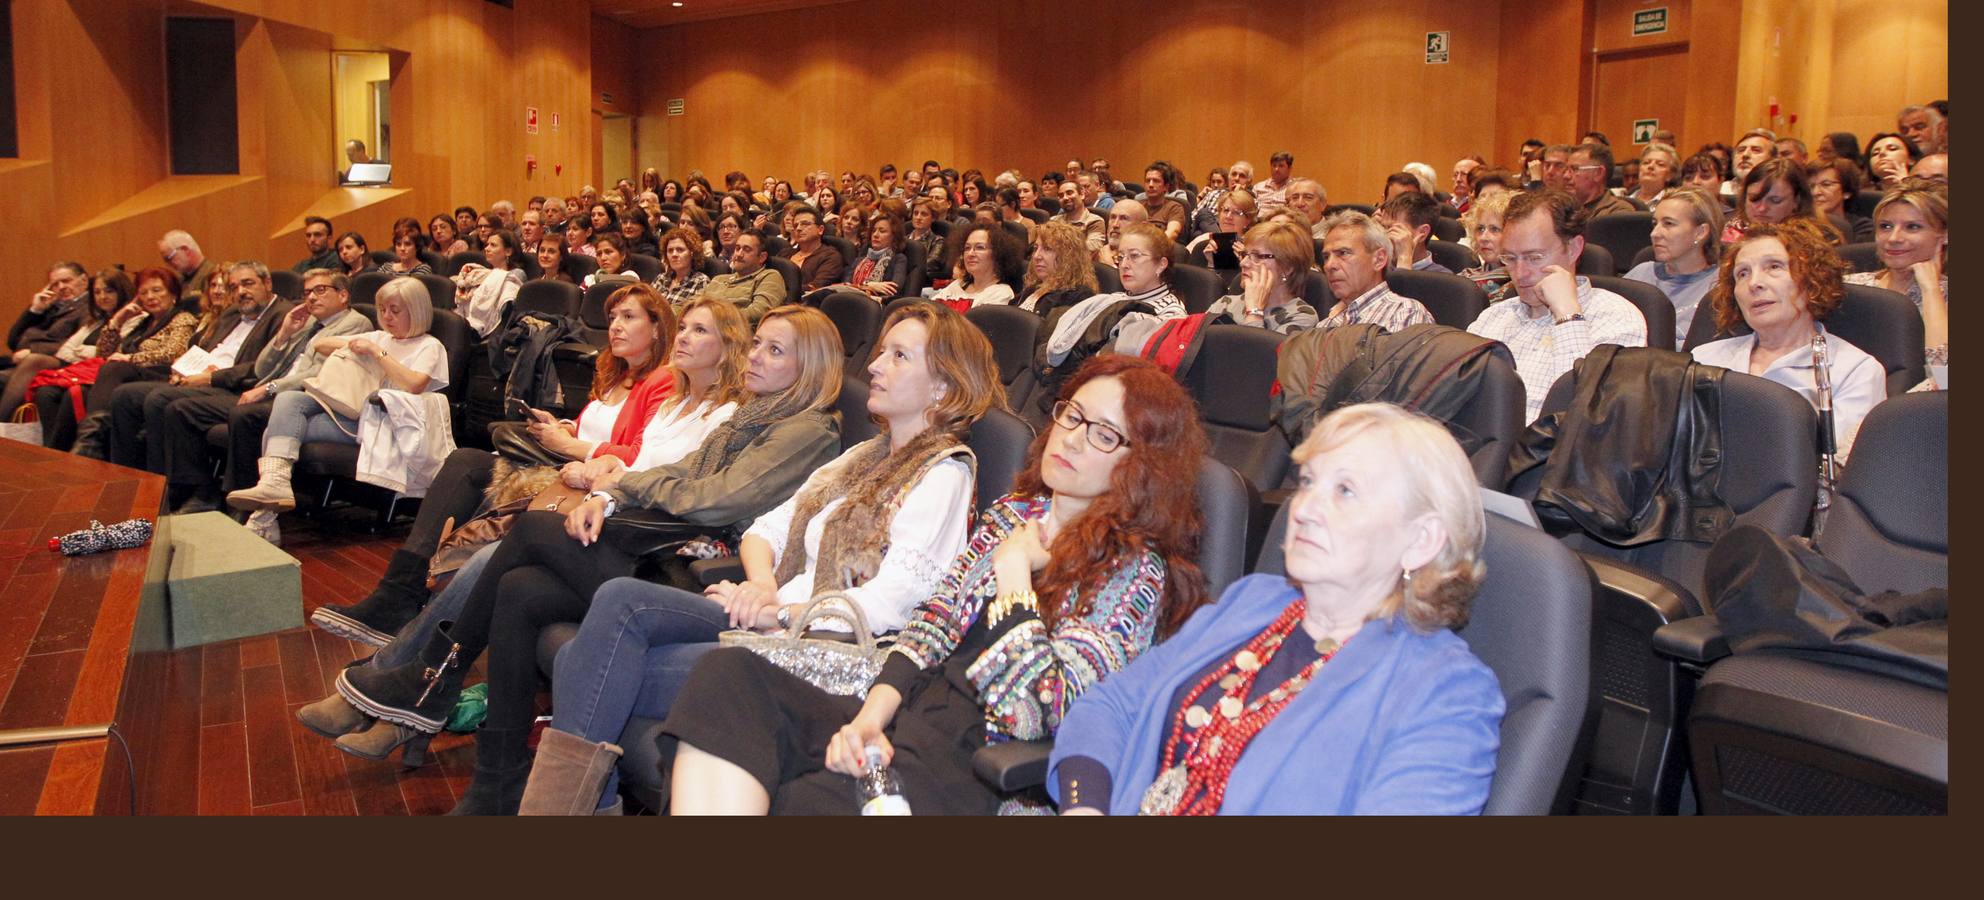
[1886, 55]
[1199, 83]
[95, 179]
[1612, 24]
[1542, 60]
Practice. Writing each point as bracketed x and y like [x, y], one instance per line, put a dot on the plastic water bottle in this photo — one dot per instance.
[881, 794]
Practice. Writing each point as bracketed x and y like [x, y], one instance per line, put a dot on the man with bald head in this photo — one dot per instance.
[1123, 215]
[1935, 167]
[1306, 196]
[182, 253]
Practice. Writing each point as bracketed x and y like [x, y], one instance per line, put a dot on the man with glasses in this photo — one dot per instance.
[1093, 196]
[1556, 316]
[819, 264]
[1555, 166]
[1591, 168]
[221, 362]
[752, 286]
[182, 253]
[317, 240]
[282, 365]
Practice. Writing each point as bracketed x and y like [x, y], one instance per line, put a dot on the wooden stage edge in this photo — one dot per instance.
[84, 647]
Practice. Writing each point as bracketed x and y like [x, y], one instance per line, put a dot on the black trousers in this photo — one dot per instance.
[180, 431]
[137, 436]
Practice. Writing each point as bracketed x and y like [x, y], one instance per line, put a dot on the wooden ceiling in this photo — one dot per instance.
[660, 13]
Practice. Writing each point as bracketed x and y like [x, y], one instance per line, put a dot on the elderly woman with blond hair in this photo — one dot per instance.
[1483, 221]
[1660, 167]
[1340, 688]
[1276, 259]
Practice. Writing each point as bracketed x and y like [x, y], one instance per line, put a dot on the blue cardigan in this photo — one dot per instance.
[1397, 722]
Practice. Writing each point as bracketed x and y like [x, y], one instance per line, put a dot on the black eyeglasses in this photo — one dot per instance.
[1100, 436]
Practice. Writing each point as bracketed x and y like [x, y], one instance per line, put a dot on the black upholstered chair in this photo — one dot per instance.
[648, 267]
[1865, 257]
[1623, 235]
[440, 291]
[1012, 332]
[1882, 323]
[790, 273]
[1453, 255]
[1596, 260]
[550, 297]
[366, 286]
[286, 284]
[457, 261]
[1768, 477]
[859, 319]
[1832, 734]
[1107, 281]
[1196, 287]
[1454, 301]
[1652, 303]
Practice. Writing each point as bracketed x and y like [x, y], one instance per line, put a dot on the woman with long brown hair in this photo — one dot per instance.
[879, 524]
[1087, 563]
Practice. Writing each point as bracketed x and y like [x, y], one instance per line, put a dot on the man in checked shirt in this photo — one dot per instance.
[1550, 318]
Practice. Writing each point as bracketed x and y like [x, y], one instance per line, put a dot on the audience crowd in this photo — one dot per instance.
[1072, 605]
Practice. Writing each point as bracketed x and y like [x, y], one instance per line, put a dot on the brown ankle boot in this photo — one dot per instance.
[568, 775]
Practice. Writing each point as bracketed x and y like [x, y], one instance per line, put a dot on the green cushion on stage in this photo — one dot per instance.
[226, 583]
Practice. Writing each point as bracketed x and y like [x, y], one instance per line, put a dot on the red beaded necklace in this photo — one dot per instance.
[1214, 740]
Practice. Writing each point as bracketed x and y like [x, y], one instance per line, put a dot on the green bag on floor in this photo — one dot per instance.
[470, 710]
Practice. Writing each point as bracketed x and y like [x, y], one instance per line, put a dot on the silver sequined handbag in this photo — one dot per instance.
[834, 664]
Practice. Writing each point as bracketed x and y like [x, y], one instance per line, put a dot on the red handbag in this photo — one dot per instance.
[74, 377]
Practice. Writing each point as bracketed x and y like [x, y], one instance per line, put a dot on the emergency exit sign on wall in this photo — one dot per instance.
[1650, 21]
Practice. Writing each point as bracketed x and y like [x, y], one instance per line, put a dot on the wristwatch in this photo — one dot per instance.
[784, 617]
[611, 504]
[1573, 317]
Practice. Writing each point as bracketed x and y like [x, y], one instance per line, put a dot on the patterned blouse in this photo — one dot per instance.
[1029, 676]
[679, 292]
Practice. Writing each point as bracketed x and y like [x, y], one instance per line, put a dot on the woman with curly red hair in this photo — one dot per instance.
[1079, 570]
[1783, 281]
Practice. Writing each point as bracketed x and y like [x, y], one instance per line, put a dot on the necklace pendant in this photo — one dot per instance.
[1163, 794]
[1231, 707]
[1327, 646]
[1197, 717]
[1229, 682]
[1246, 661]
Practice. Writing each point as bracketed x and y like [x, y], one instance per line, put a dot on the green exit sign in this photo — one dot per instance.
[1650, 21]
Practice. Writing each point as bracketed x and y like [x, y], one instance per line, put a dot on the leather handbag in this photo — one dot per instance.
[513, 442]
[832, 664]
[458, 545]
[345, 382]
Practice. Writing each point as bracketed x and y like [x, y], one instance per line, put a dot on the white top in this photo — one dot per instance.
[1859, 381]
[1545, 350]
[423, 354]
[677, 429]
[230, 346]
[483, 307]
[596, 421]
[927, 532]
[998, 294]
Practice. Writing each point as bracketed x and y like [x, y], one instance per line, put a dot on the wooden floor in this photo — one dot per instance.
[248, 755]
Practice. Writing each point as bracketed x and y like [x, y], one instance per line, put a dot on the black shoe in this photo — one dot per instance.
[502, 768]
[419, 694]
[373, 621]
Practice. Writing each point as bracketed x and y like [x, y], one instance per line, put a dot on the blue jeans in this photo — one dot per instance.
[297, 419]
[633, 652]
[444, 607]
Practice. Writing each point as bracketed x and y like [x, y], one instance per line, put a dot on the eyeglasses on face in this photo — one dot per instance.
[1100, 436]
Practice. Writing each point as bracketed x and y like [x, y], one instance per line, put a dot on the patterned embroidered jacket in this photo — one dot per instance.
[1028, 677]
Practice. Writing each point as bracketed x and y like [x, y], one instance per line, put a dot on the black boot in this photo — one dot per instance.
[502, 768]
[374, 620]
[419, 694]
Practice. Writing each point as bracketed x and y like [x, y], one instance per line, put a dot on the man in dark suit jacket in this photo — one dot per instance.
[138, 409]
[819, 265]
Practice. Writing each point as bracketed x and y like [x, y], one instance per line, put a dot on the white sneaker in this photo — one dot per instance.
[263, 523]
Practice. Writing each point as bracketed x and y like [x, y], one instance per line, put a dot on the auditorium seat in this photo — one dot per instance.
[1453, 300]
[1652, 303]
[1816, 733]
[286, 284]
[1038, 216]
[648, 267]
[366, 286]
[859, 319]
[1012, 332]
[1862, 257]
[1623, 235]
[1644, 256]
[1196, 287]
[1449, 230]
[786, 268]
[1863, 202]
[381, 257]
[1107, 280]
[1768, 477]
[440, 291]
[554, 298]
[1596, 260]
[579, 267]
[1335, 208]
[457, 261]
[848, 252]
[1452, 255]
[912, 284]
